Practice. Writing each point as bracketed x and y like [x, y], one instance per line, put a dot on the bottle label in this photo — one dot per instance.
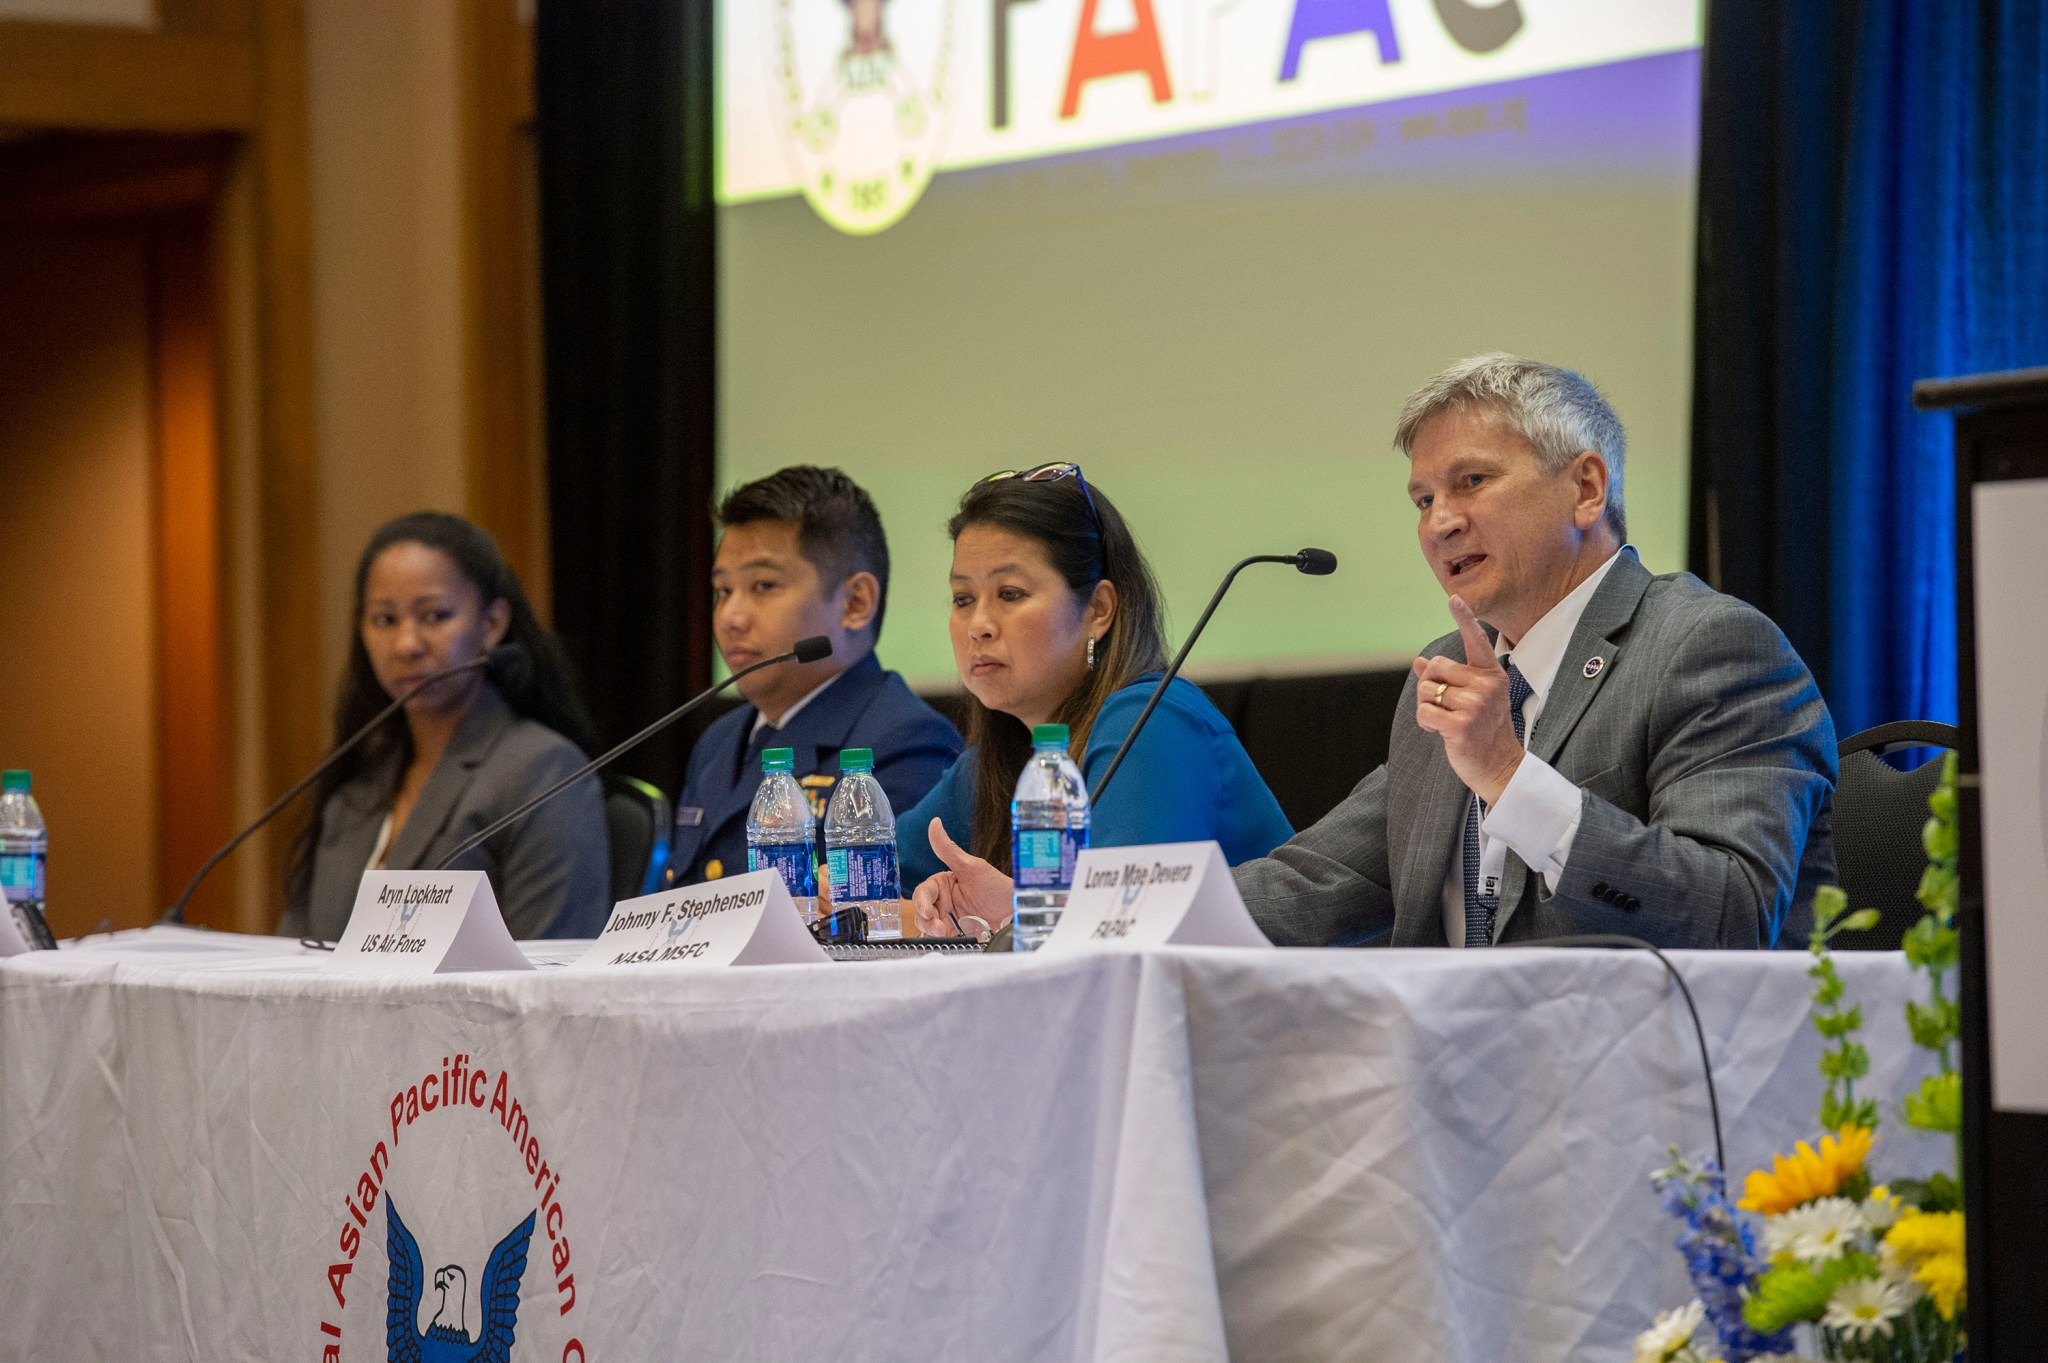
[796, 860]
[21, 875]
[861, 875]
[1043, 858]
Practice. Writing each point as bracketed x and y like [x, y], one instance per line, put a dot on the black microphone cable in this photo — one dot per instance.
[1615, 939]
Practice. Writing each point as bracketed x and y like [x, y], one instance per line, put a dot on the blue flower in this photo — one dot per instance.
[1719, 1248]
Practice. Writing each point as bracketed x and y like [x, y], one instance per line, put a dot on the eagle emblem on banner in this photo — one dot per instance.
[447, 1339]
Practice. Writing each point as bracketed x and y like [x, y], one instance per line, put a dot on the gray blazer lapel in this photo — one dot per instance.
[488, 717]
[1572, 691]
[1606, 615]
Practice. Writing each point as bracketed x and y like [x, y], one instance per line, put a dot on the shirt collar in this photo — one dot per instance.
[761, 720]
[1542, 648]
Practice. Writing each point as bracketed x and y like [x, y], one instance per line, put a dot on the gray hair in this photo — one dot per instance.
[1560, 413]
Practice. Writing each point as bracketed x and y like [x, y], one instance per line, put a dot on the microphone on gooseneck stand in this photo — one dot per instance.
[810, 650]
[1314, 562]
[509, 663]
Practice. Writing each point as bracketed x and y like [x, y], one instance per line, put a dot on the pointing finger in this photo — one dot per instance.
[1478, 648]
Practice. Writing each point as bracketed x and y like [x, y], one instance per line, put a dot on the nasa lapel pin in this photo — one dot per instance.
[1593, 666]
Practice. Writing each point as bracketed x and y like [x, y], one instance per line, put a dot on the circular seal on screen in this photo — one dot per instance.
[864, 102]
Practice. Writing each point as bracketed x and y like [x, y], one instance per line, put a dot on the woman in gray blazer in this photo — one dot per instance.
[432, 591]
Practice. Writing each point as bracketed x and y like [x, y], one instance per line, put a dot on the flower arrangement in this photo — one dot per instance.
[1871, 1272]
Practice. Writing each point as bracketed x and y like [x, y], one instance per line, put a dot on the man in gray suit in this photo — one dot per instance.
[1596, 749]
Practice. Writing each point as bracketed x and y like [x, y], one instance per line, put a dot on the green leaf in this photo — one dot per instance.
[1834, 1025]
[1939, 838]
[1943, 803]
[1863, 920]
[1937, 883]
[1936, 1193]
[1937, 1105]
[1919, 942]
[1855, 1060]
[1789, 1293]
[1934, 1024]
[1943, 950]
[1829, 903]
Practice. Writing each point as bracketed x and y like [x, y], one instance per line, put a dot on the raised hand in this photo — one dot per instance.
[968, 889]
[1467, 704]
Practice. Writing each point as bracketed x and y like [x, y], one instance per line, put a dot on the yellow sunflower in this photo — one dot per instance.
[1931, 1245]
[1807, 1175]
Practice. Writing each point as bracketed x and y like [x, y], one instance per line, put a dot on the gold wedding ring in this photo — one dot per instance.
[1441, 687]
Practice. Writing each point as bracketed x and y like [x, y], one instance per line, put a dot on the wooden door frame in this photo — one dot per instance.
[162, 192]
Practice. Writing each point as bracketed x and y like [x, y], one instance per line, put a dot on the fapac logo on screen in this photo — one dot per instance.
[865, 130]
[871, 97]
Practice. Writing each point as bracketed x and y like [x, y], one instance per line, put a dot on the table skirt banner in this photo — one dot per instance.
[208, 1150]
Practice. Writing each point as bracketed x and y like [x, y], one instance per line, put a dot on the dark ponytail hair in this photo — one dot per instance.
[1085, 547]
[543, 692]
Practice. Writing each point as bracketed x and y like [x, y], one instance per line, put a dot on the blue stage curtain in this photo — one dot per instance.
[1873, 210]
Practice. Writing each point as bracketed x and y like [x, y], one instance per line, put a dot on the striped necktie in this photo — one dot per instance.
[1481, 910]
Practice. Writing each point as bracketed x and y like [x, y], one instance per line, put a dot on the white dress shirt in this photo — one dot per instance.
[1537, 816]
[761, 720]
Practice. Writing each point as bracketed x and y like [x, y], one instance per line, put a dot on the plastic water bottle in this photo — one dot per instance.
[24, 843]
[860, 847]
[781, 835]
[1048, 829]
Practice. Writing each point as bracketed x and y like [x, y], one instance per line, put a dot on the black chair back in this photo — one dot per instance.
[1880, 812]
[637, 817]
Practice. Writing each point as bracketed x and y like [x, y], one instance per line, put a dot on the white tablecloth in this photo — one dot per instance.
[1168, 1155]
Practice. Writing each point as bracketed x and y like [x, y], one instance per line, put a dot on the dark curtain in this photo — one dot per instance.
[623, 107]
[1873, 179]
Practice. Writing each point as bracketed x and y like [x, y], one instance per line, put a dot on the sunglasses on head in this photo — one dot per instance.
[1052, 473]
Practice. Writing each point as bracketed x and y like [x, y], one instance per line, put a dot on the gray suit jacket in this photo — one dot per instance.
[550, 871]
[1706, 761]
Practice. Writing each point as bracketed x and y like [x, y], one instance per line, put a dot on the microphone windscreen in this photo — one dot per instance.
[1316, 562]
[511, 666]
[813, 649]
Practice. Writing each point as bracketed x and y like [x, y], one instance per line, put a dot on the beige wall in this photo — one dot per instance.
[77, 645]
[375, 306]
[384, 129]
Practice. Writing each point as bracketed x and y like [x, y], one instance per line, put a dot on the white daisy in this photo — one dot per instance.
[1815, 1233]
[1880, 1209]
[1862, 1307]
[1893, 1269]
[1672, 1332]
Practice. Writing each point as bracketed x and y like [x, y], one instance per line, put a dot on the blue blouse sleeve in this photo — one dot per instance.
[950, 801]
[1167, 789]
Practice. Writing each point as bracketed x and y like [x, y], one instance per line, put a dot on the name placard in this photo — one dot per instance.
[12, 943]
[740, 920]
[425, 923]
[1166, 894]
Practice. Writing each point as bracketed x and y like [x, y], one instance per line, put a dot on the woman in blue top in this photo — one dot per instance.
[1055, 620]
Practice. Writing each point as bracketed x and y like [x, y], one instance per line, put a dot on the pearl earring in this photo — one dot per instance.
[1091, 654]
